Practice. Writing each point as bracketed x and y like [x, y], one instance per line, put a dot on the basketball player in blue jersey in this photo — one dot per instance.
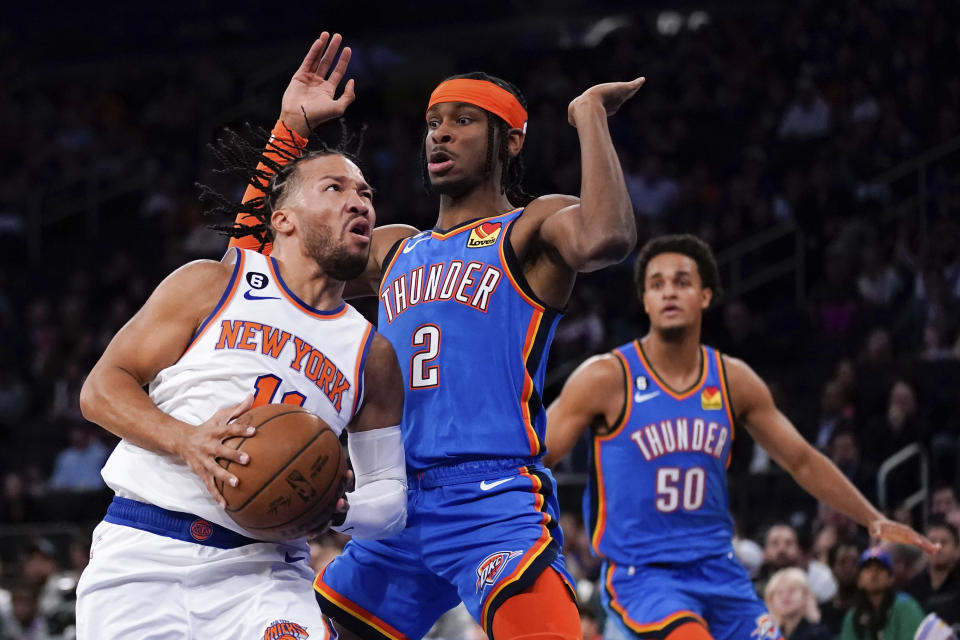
[470, 307]
[661, 412]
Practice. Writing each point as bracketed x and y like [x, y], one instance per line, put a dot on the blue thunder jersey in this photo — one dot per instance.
[658, 480]
[472, 340]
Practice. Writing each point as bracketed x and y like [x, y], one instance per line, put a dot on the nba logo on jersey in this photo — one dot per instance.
[484, 235]
[492, 566]
[711, 400]
[285, 630]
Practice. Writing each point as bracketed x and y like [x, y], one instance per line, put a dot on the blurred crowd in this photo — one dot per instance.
[782, 115]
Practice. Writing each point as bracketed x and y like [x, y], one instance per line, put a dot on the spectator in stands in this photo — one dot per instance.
[38, 562]
[18, 505]
[937, 588]
[793, 607]
[843, 559]
[14, 396]
[880, 612]
[77, 467]
[933, 304]
[943, 501]
[844, 450]
[651, 193]
[878, 283]
[835, 408]
[907, 561]
[25, 621]
[807, 116]
[899, 426]
[781, 549]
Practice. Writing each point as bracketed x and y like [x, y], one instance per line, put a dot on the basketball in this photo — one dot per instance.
[295, 475]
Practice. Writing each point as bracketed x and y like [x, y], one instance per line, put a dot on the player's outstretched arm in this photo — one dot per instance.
[600, 229]
[377, 508]
[113, 396]
[813, 471]
[308, 101]
[592, 395]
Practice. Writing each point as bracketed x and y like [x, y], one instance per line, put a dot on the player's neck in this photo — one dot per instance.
[676, 358]
[304, 277]
[483, 202]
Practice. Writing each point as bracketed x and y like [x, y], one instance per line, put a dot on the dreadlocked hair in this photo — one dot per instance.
[513, 168]
[269, 165]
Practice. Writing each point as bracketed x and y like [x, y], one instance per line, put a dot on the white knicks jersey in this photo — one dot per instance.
[260, 339]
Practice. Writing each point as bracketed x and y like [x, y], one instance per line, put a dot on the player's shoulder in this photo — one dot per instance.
[545, 206]
[600, 372]
[200, 275]
[386, 237]
[737, 371]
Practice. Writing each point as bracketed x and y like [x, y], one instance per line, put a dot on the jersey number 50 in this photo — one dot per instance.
[670, 488]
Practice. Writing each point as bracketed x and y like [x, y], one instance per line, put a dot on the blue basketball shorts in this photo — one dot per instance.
[479, 531]
[651, 600]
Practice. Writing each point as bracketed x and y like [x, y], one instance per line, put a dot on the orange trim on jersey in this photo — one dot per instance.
[356, 370]
[506, 267]
[528, 386]
[355, 610]
[628, 406]
[598, 441]
[663, 385]
[601, 525]
[396, 254]
[529, 557]
[224, 301]
[468, 225]
[315, 313]
[721, 373]
[639, 627]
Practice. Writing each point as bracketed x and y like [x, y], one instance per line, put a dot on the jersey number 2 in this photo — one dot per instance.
[423, 374]
[669, 488]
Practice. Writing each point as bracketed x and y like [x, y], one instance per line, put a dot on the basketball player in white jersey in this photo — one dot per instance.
[214, 339]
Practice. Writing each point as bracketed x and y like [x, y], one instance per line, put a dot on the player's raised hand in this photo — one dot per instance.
[203, 446]
[310, 97]
[891, 531]
[609, 95]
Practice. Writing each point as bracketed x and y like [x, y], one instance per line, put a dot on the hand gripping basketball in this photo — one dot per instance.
[203, 445]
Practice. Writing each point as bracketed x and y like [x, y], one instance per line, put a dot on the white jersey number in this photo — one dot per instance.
[671, 491]
[423, 374]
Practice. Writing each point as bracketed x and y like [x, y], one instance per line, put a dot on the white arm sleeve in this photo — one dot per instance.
[378, 506]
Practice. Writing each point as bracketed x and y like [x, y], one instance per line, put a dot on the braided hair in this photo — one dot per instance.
[497, 128]
[271, 166]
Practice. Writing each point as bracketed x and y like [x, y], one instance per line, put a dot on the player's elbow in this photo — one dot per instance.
[90, 397]
[604, 249]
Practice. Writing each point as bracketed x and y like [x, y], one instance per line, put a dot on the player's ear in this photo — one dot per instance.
[282, 221]
[515, 138]
[706, 297]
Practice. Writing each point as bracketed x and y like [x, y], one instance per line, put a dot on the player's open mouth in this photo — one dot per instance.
[670, 309]
[361, 228]
[439, 161]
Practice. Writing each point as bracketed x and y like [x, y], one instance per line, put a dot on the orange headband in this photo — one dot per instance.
[483, 94]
